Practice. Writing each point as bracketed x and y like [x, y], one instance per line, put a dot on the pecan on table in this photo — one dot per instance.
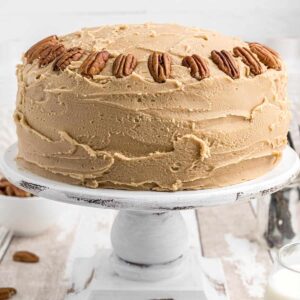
[7, 293]
[266, 55]
[35, 51]
[124, 65]
[25, 257]
[94, 63]
[248, 59]
[159, 65]
[226, 63]
[198, 66]
[65, 59]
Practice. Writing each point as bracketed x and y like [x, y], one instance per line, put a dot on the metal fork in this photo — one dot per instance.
[294, 133]
[5, 240]
[282, 210]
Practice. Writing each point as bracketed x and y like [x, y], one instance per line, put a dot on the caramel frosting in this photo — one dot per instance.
[132, 132]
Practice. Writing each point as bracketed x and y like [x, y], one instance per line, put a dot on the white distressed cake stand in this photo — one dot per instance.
[149, 236]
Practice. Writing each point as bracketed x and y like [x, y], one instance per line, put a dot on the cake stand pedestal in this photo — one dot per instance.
[150, 247]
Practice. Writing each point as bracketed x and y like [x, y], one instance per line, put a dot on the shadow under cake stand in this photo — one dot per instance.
[149, 237]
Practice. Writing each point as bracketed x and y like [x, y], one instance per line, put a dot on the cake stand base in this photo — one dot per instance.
[149, 246]
[201, 279]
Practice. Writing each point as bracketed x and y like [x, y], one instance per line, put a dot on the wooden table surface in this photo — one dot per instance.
[226, 232]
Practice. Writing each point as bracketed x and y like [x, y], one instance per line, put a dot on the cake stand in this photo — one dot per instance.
[149, 236]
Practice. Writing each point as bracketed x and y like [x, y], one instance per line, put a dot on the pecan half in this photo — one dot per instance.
[50, 53]
[266, 55]
[65, 59]
[159, 65]
[226, 63]
[26, 257]
[124, 65]
[35, 51]
[249, 59]
[8, 189]
[94, 63]
[7, 293]
[198, 66]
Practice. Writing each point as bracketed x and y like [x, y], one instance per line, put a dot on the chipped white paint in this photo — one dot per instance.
[149, 238]
[157, 242]
[151, 272]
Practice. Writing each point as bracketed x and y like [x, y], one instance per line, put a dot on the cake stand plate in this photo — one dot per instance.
[149, 235]
[280, 176]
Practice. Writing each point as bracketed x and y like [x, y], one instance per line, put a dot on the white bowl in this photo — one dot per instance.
[28, 216]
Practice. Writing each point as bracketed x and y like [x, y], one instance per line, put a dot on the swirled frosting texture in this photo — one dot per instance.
[135, 133]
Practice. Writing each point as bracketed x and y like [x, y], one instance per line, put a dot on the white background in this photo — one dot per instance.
[252, 19]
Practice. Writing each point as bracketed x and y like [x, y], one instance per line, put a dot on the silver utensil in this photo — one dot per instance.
[5, 240]
[280, 227]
